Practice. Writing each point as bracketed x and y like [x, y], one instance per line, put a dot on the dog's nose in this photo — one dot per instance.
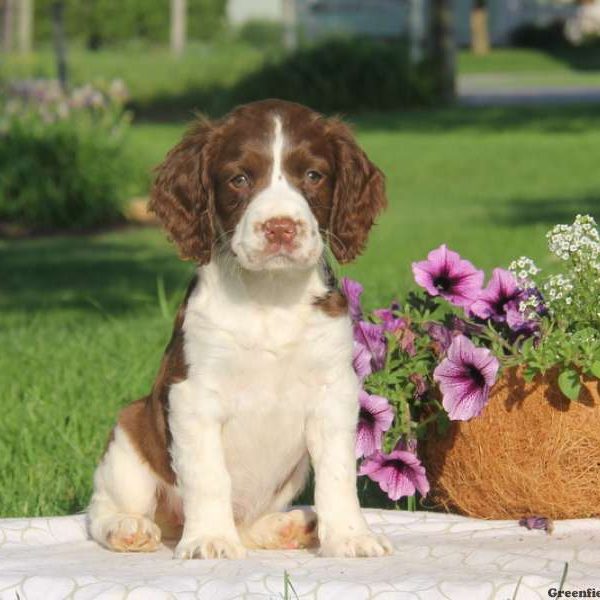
[280, 230]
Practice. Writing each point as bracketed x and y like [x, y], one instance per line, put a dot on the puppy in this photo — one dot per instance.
[257, 379]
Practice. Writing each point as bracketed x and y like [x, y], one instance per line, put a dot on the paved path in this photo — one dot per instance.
[504, 90]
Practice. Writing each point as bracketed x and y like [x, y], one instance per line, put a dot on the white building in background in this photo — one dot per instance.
[392, 18]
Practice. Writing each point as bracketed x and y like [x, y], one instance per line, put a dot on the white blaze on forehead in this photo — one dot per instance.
[277, 148]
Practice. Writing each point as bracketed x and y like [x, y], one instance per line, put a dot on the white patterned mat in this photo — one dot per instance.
[436, 557]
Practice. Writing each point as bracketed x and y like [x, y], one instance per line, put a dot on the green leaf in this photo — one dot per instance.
[569, 383]
[595, 369]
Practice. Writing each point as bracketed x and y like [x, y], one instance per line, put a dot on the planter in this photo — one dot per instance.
[531, 452]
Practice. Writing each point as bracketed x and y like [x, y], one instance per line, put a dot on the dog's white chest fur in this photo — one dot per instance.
[269, 360]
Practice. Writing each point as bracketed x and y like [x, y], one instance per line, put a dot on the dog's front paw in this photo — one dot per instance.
[366, 544]
[210, 547]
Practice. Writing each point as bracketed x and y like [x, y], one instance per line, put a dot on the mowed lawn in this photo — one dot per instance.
[84, 319]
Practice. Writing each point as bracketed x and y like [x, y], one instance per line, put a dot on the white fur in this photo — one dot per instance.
[124, 498]
[270, 383]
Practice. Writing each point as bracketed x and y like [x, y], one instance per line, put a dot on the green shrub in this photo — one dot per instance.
[341, 74]
[261, 34]
[62, 158]
[100, 22]
[543, 37]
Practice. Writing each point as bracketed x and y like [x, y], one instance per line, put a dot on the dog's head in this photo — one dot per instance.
[271, 182]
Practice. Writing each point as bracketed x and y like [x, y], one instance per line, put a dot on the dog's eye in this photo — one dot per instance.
[314, 176]
[239, 181]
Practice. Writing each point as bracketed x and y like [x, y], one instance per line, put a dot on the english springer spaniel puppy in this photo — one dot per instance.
[257, 379]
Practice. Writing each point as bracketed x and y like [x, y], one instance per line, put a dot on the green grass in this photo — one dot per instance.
[160, 84]
[530, 60]
[82, 331]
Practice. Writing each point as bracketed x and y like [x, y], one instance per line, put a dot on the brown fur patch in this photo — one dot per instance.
[333, 304]
[146, 420]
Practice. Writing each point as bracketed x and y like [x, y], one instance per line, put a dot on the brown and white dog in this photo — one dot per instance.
[257, 377]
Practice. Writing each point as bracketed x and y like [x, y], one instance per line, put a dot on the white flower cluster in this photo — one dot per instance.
[524, 270]
[579, 242]
[529, 308]
[558, 287]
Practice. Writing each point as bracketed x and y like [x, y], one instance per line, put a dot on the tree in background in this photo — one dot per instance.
[443, 50]
[17, 15]
[7, 24]
[60, 45]
[25, 25]
[480, 38]
[178, 26]
[104, 22]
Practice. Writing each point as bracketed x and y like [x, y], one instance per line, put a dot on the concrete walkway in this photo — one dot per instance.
[507, 90]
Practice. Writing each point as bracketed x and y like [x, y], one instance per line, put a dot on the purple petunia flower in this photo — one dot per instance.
[446, 274]
[399, 473]
[389, 320]
[537, 523]
[361, 360]
[375, 417]
[501, 295]
[353, 290]
[465, 378]
[440, 335]
[371, 336]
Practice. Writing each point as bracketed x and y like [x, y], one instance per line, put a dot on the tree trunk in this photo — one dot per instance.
[417, 30]
[290, 38]
[60, 50]
[25, 25]
[480, 39]
[178, 26]
[443, 50]
[7, 25]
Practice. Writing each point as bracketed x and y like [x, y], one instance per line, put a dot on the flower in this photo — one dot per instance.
[420, 384]
[375, 417]
[579, 241]
[399, 473]
[465, 378]
[440, 335]
[371, 336]
[501, 294]
[537, 523]
[524, 270]
[361, 360]
[353, 290]
[389, 320]
[446, 274]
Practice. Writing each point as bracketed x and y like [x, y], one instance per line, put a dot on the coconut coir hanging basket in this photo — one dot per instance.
[531, 452]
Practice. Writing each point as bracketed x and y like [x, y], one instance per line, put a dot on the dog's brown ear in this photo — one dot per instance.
[182, 195]
[358, 197]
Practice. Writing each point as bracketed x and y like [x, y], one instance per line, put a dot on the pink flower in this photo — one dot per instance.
[361, 360]
[389, 320]
[465, 378]
[501, 295]
[353, 290]
[399, 473]
[446, 274]
[371, 336]
[375, 418]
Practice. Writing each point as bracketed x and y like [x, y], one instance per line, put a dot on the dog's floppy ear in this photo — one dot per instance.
[182, 195]
[358, 197]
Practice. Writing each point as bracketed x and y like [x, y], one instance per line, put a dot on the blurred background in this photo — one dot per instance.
[484, 116]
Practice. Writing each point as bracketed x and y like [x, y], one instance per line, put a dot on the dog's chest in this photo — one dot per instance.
[268, 367]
